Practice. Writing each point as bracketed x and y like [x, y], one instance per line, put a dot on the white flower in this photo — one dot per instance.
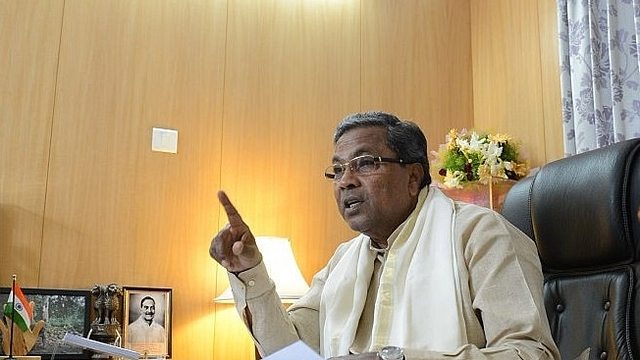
[453, 178]
[476, 143]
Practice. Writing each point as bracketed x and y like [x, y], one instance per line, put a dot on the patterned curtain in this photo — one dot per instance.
[600, 80]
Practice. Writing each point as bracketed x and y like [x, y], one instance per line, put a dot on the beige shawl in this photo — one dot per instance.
[418, 304]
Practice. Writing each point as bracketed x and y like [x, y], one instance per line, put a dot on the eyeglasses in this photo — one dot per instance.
[361, 165]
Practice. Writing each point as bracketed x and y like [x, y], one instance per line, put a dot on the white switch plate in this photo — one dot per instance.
[164, 140]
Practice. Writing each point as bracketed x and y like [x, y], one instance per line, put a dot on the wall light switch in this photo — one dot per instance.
[164, 140]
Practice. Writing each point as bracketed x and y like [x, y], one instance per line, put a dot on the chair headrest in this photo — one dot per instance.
[584, 208]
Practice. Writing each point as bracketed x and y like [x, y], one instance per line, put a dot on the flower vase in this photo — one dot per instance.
[490, 194]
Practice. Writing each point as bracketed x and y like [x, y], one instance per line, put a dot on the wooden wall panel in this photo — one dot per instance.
[292, 74]
[506, 65]
[416, 62]
[121, 212]
[30, 34]
[509, 84]
[550, 72]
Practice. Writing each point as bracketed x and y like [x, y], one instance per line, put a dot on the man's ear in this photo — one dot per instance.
[416, 174]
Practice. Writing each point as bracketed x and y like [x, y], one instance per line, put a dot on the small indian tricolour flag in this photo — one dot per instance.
[21, 308]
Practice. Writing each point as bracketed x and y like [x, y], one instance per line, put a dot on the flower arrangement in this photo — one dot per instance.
[470, 156]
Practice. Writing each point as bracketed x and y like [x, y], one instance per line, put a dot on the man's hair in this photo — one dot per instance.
[147, 298]
[404, 137]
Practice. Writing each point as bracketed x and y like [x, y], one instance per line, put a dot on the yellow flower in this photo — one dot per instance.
[521, 169]
[452, 136]
[500, 138]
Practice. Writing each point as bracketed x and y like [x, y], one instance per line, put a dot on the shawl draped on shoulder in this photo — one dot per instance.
[418, 305]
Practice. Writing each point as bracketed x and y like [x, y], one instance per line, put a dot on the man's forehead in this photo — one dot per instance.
[361, 141]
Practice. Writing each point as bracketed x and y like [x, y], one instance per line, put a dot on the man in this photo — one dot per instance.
[145, 330]
[433, 277]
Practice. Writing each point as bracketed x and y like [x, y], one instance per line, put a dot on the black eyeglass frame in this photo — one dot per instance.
[330, 174]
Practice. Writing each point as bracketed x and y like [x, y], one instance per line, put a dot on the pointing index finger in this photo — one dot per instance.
[232, 213]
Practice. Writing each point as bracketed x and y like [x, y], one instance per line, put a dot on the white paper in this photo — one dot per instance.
[296, 351]
[98, 346]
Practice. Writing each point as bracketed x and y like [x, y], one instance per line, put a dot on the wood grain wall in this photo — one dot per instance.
[254, 89]
[516, 80]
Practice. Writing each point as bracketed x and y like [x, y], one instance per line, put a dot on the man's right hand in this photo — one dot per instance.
[234, 247]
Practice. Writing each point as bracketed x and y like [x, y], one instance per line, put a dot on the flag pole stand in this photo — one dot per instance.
[15, 340]
[13, 314]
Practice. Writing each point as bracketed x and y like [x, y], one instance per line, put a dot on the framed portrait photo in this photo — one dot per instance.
[146, 325]
[62, 310]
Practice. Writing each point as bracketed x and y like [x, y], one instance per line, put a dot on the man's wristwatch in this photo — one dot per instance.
[391, 353]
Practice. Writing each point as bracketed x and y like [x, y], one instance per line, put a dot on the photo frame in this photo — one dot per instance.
[146, 325]
[63, 310]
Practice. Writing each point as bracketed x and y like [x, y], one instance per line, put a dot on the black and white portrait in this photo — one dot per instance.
[147, 320]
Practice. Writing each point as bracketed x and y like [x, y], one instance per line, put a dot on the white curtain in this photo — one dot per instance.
[599, 72]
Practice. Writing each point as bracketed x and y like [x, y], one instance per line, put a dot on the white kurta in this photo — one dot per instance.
[500, 285]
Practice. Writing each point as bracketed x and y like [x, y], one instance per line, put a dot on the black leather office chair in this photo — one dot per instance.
[583, 212]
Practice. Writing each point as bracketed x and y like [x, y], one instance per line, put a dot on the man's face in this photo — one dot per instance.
[148, 309]
[374, 204]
